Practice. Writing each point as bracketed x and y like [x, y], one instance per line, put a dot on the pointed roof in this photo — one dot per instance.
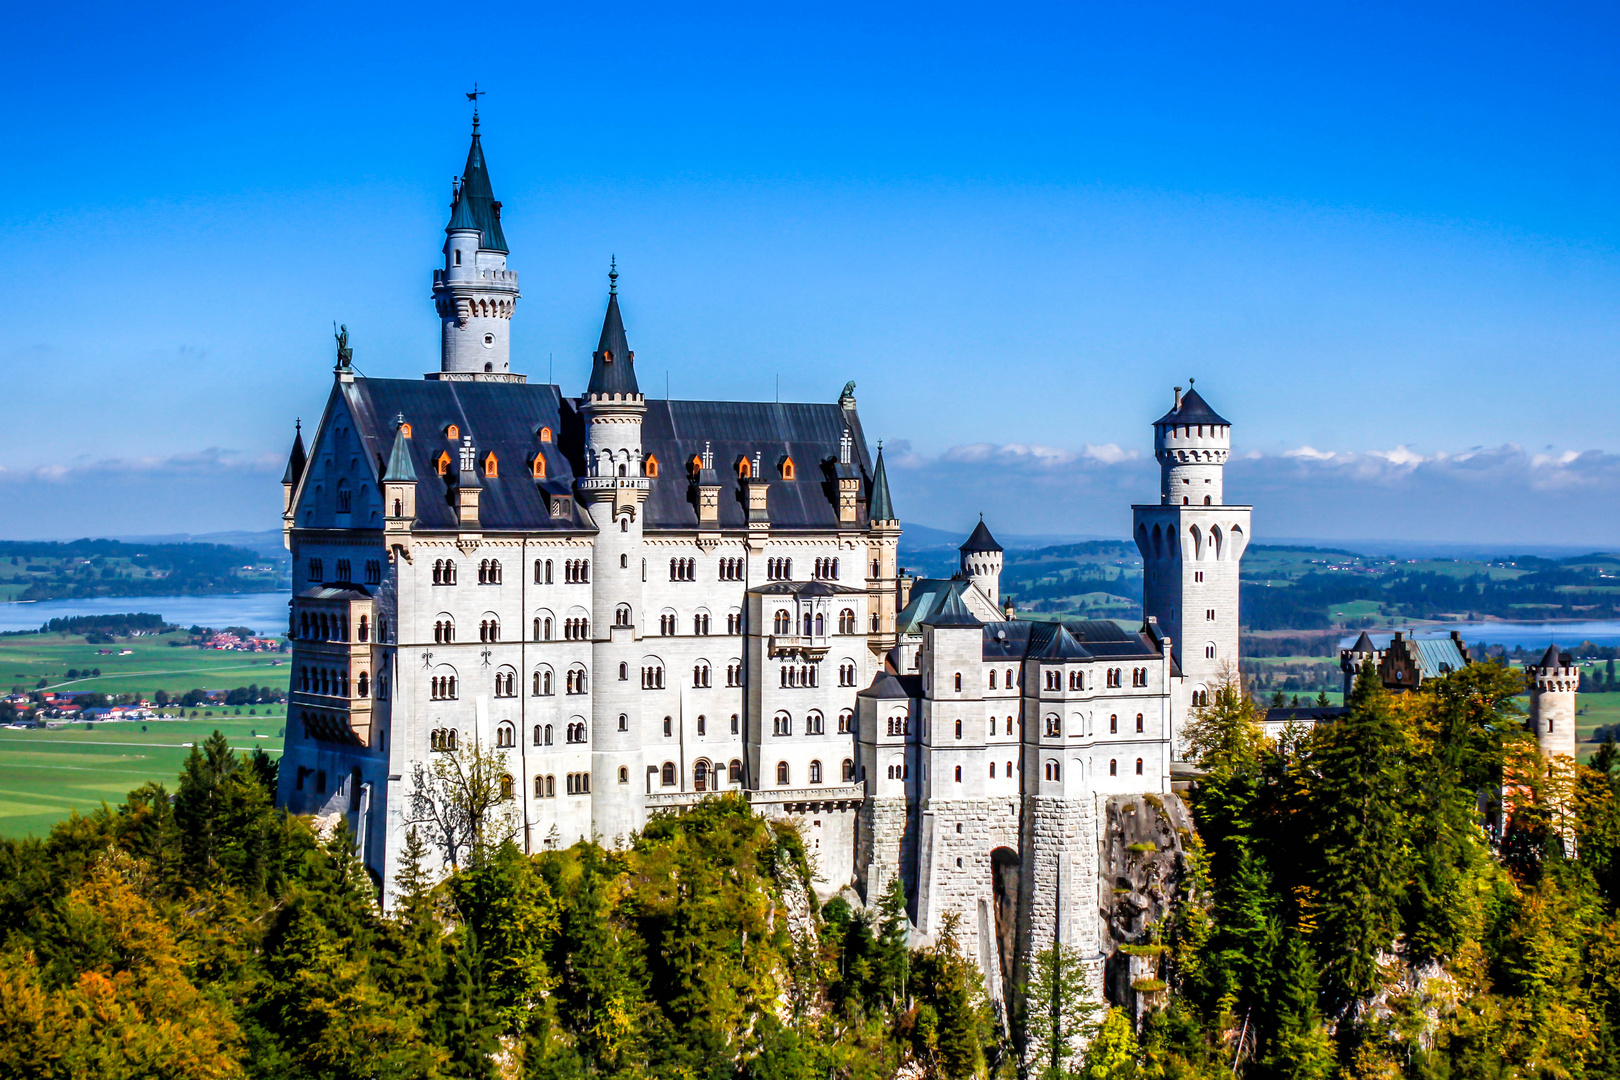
[1193, 409]
[880, 506]
[400, 469]
[1363, 644]
[885, 685]
[981, 540]
[952, 613]
[613, 369]
[1062, 645]
[475, 204]
[1552, 658]
[297, 459]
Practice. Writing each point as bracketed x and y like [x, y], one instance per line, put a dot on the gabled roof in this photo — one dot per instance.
[1192, 410]
[803, 588]
[951, 613]
[981, 540]
[880, 506]
[613, 368]
[476, 201]
[1437, 656]
[297, 459]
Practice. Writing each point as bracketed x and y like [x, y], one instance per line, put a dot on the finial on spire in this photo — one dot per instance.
[1189, 382]
[613, 276]
[473, 97]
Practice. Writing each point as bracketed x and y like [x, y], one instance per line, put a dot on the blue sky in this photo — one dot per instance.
[1382, 237]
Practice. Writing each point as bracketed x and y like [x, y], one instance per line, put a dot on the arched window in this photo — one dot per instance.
[668, 775]
[847, 771]
[846, 621]
[787, 468]
[782, 773]
[545, 434]
[363, 684]
[959, 774]
[621, 616]
[505, 736]
[745, 468]
[992, 678]
[734, 771]
[650, 466]
[1138, 721]
[537, 467]
[1113, 724]
[700, 776]
[1138, 766]
[1113, 767]
[821, 629]
[958, 680]
[959, 729]
[782, 624]
[442, 463]
[624, 775]
[815, 772]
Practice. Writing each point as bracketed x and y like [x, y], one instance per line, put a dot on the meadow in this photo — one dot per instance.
[45, 774]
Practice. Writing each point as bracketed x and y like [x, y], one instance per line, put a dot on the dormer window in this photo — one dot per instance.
[545, 434]
[442, 463]
[405, 429]
[452, 432]
[745, 468]
[607, 356]
[787, 468]
[695, 466]
[651, 466]
[491, 468]
[538, 468]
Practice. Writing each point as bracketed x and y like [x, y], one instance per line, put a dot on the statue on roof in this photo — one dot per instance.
[849, 391]
[345, 354]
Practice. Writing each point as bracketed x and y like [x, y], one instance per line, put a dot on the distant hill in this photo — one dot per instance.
[57, 570]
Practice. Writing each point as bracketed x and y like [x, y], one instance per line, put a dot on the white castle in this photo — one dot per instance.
[638, 603]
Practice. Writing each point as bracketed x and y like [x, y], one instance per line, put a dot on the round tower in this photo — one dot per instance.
[981, 562]
[614, 490]
[1191, 443]
[1552, 703]
[475, 293]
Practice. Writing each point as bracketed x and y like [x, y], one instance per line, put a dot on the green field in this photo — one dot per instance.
[153, 664]
[46, 773]
[1593, 711]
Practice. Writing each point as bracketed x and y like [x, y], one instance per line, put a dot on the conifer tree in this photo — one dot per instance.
[1111, 1054]
[894, 935]
[1358, 840]
[1059, 1013]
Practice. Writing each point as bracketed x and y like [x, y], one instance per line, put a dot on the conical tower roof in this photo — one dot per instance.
[297, 459]
[1193, 410]
[981, 540]
[1363, 644]
[475, 205]
[400, 470]
[613, 368]
[1552, 658]
[880, 506]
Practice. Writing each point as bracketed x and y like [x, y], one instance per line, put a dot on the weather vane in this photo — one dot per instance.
[613, 275]
[473, 96]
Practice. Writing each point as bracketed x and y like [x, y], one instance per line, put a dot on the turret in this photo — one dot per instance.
[1553, 683]
[1191, 442]
[614, 492]
[296, 460]
[981, 562]
[399, 486]
[475, 293]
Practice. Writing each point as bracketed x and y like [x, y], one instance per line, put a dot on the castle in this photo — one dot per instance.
[636, 603]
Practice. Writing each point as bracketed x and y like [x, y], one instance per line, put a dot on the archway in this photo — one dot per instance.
[1006, 870]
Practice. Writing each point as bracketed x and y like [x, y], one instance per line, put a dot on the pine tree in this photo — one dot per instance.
[1059, 1012]
[1358, 839]
[1297, 1047]
[894, 935]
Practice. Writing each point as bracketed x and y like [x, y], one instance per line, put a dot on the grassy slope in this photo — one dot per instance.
[152, 665]
[45, 774]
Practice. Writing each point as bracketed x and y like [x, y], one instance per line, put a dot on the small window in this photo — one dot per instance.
[491, 468]
[652, 466]
[1138, 766]
[545, 434]
[781, 774]
[1113, 768]
[537, 468]
[624, 775]
[405, 429]
[452, 432]
[787, 468]
[442, 463]
[745, 469]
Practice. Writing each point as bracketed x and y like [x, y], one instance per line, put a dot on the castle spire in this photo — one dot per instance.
[879, 506]
[613, 369]
[476, 205]
[297, 458]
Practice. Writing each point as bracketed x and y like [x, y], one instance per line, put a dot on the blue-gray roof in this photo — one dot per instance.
[506, 419]
[882, 505]
[1438, 656]
[476, 200]
[613, 365]
[1192, 410]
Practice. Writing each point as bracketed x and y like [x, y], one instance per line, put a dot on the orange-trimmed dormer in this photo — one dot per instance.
[405, 430]
[452, 432]
[545, 434]
[745, 468]
[442, 463]
[695, 466]
[537, 468]
[650, 466]
[491, 466]
[787, 467]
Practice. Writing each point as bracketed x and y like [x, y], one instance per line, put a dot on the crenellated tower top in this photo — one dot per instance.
[1192, 442]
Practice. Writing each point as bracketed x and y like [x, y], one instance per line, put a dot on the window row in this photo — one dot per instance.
[732, 569]
[489, 572]
[442, 687]
[782, 723]
[334, 682]
[325, 626]
[683, 569]
[778, 569]
[444, 572]
[800, 675]
[1116, 676]
[826, 570]
[784, 774]
[545, 787]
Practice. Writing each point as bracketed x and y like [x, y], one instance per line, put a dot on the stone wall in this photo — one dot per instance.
[1143, 865]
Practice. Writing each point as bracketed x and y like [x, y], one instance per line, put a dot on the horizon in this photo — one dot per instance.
[1366, 237]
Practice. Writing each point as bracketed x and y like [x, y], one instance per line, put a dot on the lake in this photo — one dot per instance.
[264, 612]
[1531, 635]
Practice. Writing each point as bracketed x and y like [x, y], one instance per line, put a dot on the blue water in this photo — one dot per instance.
[264, 612]
[1531, 635]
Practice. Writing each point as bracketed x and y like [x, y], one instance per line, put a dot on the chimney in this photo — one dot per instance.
[1178, 400]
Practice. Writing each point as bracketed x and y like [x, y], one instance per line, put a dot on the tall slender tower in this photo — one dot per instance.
[475, 293]
[614, 489]
[1552, 703]
[1192, 545]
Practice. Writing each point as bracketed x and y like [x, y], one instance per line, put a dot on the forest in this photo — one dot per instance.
[1357, 901]
[50, 570]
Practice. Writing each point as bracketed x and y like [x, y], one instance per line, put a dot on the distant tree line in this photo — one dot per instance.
[138, 622]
